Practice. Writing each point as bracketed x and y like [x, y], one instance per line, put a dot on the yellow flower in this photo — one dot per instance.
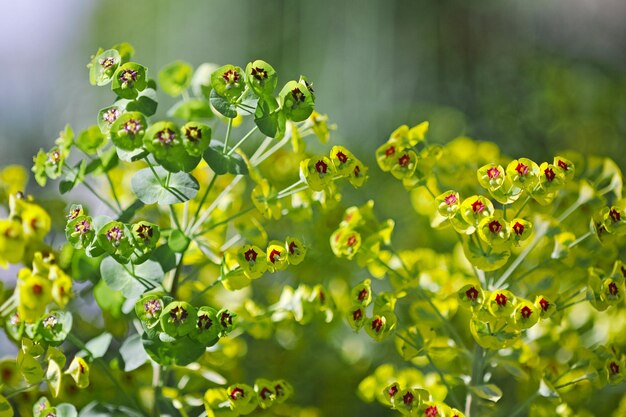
[12, 242]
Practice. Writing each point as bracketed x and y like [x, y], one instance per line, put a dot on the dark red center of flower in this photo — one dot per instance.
[549, 174]
[495, 227]
[521, 169]
[193, 133]
[614, 368]
[178, 314]
[226, 319]
[390, 151]
[526, 312]
[493, 172]
[615, 215]
[357, 171]
[363, 294]
[342, 157]
[404, 160]
[265, 393]
[6, 374]
[408, 398]
[204, 322]
[82, 227]
[297, 95]
[250, 255]
[450, 199]
[478, 206]
[351, 240]
[501, 299]
[545, 305]
[472, 294]
[431, 411]
[107, 62]
[518, 228]
[377, 324]
[357, 314]
[292, 247]
[563, 165]
[111, 115]
[613, 289]
[259, 73]
[393, 390]
[236, 393]
[114, 233]
[74, 214]
[279, 390]
[321, 167]
[623, 269]
[273, 254]
[166, 136]
[145, 232]
[231, 76]
[128, 76]
[37, 289]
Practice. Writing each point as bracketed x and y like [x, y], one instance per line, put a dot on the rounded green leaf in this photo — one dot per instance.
[128, 130]
[152, 189]
[174, 78]
[128, 80]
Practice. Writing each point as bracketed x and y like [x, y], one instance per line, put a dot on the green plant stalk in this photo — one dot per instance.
[238, 144]
[194, 219]
[471, 405]
[226, 139]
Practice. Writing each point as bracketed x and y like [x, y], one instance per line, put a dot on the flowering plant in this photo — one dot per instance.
[183, 226]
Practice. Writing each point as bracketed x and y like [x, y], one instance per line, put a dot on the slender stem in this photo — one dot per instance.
[175, 278]
[292, 186]
[457, 403]
[226, 220]
[580, 239]
[569, 211]
[471, 406]
[95, 193]
[522, 408]
[19, 391]
[174, 218]
[576, 381]
[192, 223]
[522, 207]
[238, 144]
[228, 129]
[113, 192]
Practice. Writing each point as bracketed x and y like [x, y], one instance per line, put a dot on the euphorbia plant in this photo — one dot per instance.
[197, 240]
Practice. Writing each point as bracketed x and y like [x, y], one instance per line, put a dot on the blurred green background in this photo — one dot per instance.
[534, 76]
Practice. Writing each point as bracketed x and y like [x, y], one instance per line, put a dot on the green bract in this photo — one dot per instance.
[128, 80]
[228, 82]
[261, 77]
[128, 130]
[297, 101]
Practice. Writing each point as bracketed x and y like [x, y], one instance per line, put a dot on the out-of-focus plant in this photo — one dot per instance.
[534, 241]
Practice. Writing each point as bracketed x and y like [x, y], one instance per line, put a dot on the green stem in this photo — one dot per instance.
[471, 406]
[576, 381]
[525, 405]
[522, 207]
[192, 223]
[95, 193]
[226, 220]
[580, 239]
[175, 278]
[457, 403]
[175, 218]
[238, 144]
[228, 129]
[17, 391]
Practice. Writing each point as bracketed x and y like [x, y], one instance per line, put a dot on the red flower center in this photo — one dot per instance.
[404, 160]
[357, 314]
[563, 165]
[363, 294]
[273, 254]
[292, 247]
[392, 391]
[297, 95]
[265, 393]
[526, 312]
[544, 304]
[321, 167]
[495, 227]
[549, 174]
[351, 240]
[501, 299]
[279, 390]
[493, 172]
[478, 206]
[518, 228]
[37, 289]
[236, 393]
[377, 324]
[390, 151]
[472, 294]
[231, 76]
[250, 255]
[408, 398]
[342, 157]
[357, 171]
[431, 411]
[450, 199]
[613, 289]
[614, 368]
[615, 215]
[258, 73]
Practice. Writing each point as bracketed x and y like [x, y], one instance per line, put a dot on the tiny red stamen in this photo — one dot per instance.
[478, 206]
[363, 294]
[351, 240]
[501, 299]
[343, 158]
[614, 368]
[518, 228]
[292, 247]
[450, 199]
[495, 227]
[273, 255]
[526, 312]
[550, 175]
[431, 411]
[390, 151]
[563, 165]
[493, 172]
[472, 294]
[377, 324]
[393, 390]
[265, 393]
[404, 160]
[321, 167]
[613, 290]
[250, 255]
[615, 215]
[236, 393]
[544, 304]
[357, 314]
[408, 398]
[37, 289]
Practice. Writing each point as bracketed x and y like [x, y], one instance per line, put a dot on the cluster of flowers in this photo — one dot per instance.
[251, 262]
[604, 289]
[123, 242]
[499, 317]
[360, 234]
[383, 319]
[417, 402]
[242, 399]
[177, 332]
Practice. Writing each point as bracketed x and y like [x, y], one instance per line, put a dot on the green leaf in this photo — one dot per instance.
[133, 353]
[128, 80]
[109, 300]
[222, 163]
[66, 410]
[146, 102]
[181, 351]
[54, 377]
[178, 241]
[29, 367]
[269, 118]
[165, 257]
[485, 257]
[103, 66]
[174, 78]
[131, 280]
[489, 392]
[222, 105]
[106, 162]
[150, 189]
[5, 408]
[73, 177]
[99, 345]
[131, 156]
[90, 139]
